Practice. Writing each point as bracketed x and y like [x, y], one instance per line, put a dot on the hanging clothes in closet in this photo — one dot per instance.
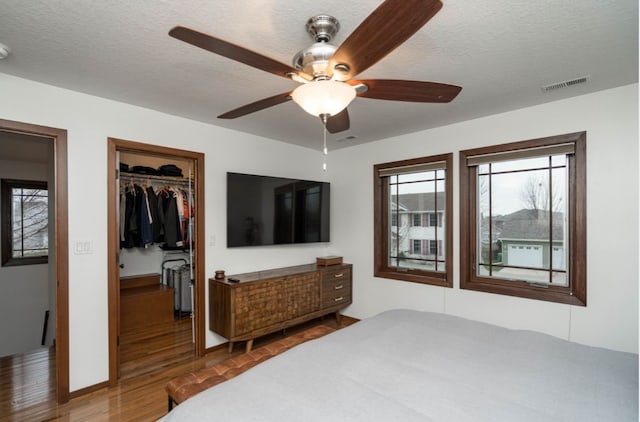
[155, 214]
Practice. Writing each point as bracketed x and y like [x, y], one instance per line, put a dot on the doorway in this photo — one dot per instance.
[58, 254]
[116, 147]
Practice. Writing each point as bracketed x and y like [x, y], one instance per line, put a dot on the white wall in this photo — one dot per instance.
[610, 117]
[90, 121]
[24, 289]
[611, 317]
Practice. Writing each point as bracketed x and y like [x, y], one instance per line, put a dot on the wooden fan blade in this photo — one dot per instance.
[235, 52]
[411, 91]
[339, 122]
[391, 24]
[256, 106]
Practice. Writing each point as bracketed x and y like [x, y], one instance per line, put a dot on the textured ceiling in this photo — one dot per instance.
[500, 51]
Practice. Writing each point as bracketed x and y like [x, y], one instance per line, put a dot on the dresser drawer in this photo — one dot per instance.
[341, 300]
[336, 287]
[342, 273]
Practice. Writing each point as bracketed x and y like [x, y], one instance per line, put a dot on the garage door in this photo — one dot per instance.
[525, 256]
[559, 258]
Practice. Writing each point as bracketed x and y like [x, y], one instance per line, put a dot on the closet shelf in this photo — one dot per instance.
[141, 178]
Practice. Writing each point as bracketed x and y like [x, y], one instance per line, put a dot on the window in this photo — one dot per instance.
[433, 247]
[25, 221]
[412, 207]
[522, 219]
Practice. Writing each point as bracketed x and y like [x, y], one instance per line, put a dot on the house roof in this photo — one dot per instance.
[529, 224]
[414, 202]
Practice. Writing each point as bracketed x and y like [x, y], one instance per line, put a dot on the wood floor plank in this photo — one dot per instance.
[149, 359]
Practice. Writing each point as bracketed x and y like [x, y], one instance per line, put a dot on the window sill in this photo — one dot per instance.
[17, 262]
[443, 280]
[525, 290]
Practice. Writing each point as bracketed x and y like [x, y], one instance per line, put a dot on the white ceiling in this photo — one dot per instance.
[500, 51]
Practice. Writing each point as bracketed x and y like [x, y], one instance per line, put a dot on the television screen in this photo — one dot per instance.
[264, 210]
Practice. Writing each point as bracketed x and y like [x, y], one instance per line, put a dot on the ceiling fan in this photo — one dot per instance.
[326, 72]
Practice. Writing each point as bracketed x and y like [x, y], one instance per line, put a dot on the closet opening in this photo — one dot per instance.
[156, 256]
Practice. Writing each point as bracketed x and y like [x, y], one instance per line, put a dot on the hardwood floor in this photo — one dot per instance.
[149, 360]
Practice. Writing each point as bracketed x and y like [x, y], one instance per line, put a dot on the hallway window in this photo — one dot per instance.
[25, 222]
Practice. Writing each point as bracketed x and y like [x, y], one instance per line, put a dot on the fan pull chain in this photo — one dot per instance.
[324, 141]
[324, 148]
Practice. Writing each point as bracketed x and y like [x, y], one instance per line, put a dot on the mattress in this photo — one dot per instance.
[405, 365]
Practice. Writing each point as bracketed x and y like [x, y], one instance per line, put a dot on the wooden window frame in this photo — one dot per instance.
[576, 291]
[7, 186]
[381, 221]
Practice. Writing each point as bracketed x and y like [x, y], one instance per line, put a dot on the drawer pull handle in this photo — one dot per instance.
[338, 287]
[338, 299]
[338, 275]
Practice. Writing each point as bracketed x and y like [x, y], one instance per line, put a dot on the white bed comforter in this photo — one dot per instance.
[418, 366]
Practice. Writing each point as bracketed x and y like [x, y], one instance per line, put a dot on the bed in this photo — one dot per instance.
[405, 365]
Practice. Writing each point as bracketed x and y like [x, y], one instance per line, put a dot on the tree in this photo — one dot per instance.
[30, 222]
[536, 196]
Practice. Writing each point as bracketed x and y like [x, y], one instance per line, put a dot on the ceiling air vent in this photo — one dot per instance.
[347, 138]
[565, 84]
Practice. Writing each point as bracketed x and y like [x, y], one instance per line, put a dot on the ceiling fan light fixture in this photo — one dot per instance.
[324, 97]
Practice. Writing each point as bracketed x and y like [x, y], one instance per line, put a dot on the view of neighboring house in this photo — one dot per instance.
[524, 237]
[418, 234]
[525, 241]
[520, 239]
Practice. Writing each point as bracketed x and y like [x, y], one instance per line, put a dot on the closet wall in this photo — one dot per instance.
[136, 260]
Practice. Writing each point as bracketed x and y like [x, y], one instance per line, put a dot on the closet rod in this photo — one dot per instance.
[135, 177]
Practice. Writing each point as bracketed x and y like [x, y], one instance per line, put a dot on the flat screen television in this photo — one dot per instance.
[264, 210]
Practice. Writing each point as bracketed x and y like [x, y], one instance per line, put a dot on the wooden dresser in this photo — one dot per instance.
[267, 301]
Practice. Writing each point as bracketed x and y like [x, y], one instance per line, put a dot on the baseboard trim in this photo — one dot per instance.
[216, 347]
[89, 389]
